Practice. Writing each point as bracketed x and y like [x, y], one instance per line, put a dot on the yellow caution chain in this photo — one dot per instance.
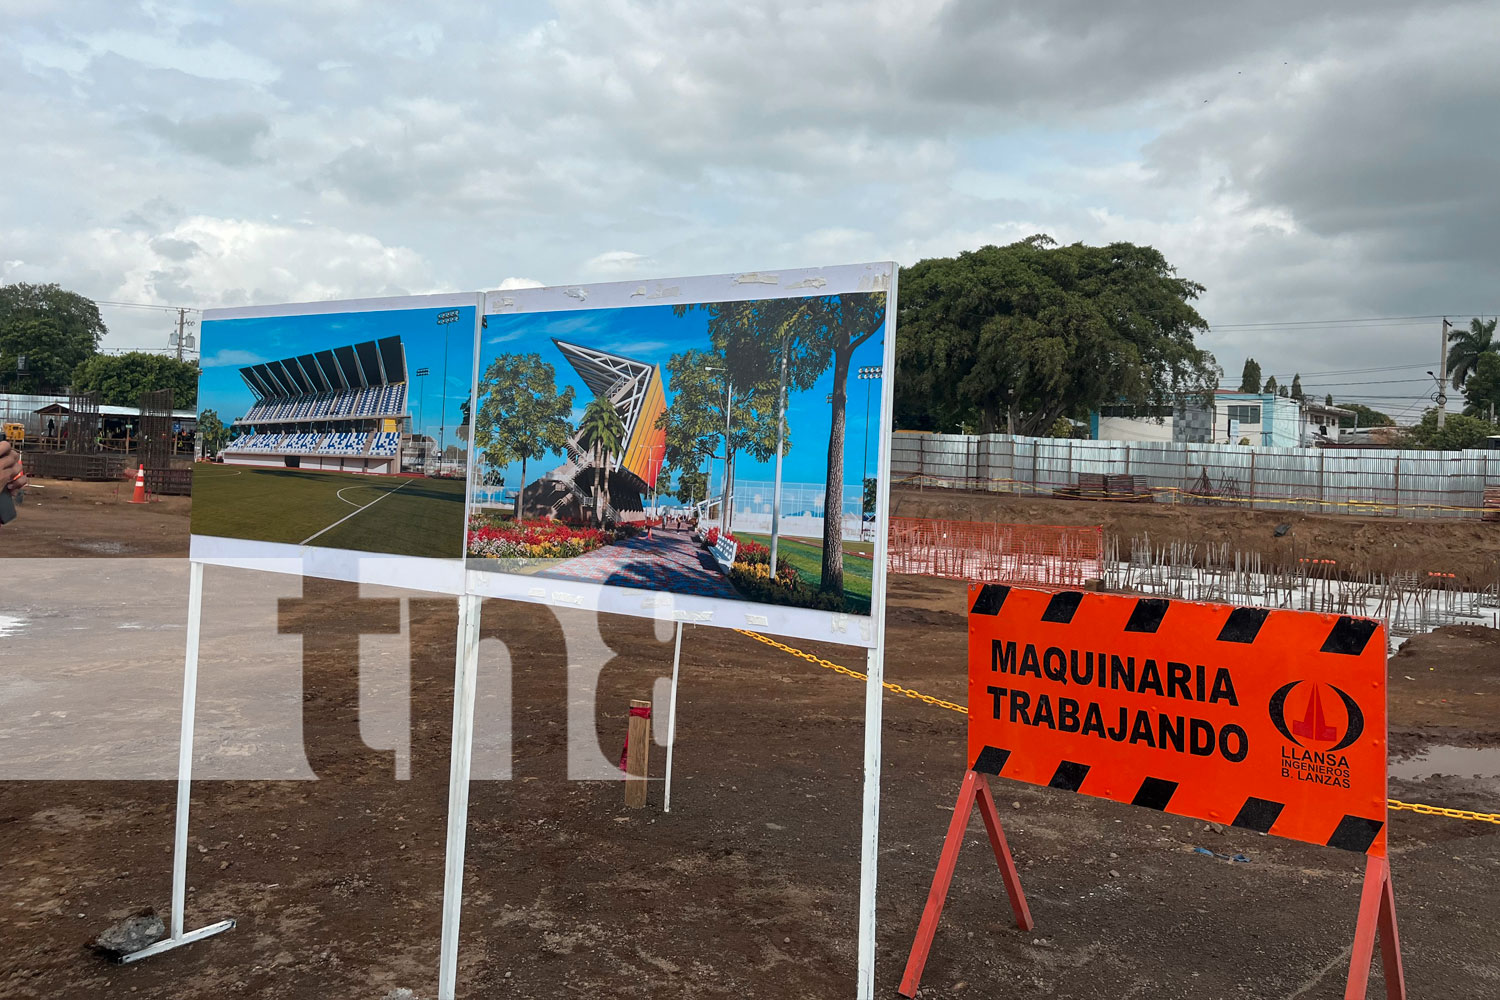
[927, 699]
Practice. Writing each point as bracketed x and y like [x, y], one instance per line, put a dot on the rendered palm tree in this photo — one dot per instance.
[604, 434]
[1466, 346]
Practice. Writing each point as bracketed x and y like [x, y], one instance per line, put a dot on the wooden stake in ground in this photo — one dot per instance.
[637, 753]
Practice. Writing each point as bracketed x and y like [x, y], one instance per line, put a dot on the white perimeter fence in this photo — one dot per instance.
[1309, 480]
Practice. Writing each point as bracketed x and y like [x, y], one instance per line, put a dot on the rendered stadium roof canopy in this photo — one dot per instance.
[635, 388]
[350, 366]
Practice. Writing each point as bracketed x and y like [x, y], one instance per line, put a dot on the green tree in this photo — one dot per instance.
[1250, 376]
[1467, 346]
[55, 330]
[1296, 391]
[691, 485]
[212, 432]
[808, 337]
[694, 422]
[603, 432]
[1270, 386]
[1013, 337]
[1482, 386]
[121, 379]
[871, 495]
[1364, 417]
[1283, 392]
[1457, 433]
[522, 416]
[1328, 399]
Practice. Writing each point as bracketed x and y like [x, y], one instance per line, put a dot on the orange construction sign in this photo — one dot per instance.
[1260, 718]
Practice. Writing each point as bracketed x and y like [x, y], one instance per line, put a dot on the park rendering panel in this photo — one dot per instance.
[621, 431]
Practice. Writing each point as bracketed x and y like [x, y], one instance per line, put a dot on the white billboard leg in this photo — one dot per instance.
[184, 784]
[666, 798]
[870, 825]
[465, 670]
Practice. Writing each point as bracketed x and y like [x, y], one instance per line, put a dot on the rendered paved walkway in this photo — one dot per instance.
[670, 561]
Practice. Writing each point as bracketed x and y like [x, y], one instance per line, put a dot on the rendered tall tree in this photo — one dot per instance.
[1270, 387]
[602, 431]
[814, 335]
[521, 416]
[698, 384]
[1296, 391]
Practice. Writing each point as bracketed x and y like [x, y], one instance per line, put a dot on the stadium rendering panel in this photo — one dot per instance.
[345, 438]
[639, 407]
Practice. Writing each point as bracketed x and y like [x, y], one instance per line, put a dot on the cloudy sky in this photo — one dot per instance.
[1331, 161]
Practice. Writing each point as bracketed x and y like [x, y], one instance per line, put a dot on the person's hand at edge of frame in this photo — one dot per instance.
[11, 476]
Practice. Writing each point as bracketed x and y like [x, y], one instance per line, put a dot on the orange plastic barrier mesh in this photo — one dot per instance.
[1270, 720]
[1041, 554]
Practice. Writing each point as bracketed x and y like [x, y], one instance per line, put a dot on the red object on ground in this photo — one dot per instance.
[976, 787]
[140, 486]
[644, 713]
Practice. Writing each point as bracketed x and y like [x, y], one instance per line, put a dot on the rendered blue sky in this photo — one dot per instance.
[229, 345]
[653, 334]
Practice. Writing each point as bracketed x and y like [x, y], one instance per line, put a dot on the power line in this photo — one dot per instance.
[1299, 323]
[142, 305]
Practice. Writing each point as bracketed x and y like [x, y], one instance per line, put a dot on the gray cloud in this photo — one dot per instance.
[1303, 161]
[231, 138]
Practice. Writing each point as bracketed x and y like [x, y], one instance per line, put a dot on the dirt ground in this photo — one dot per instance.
[748, 887]
[62, 518]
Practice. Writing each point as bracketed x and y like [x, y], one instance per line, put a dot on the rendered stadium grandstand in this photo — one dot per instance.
[343, 409]
[635, 390]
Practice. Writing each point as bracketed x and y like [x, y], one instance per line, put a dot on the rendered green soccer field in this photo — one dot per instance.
[399, 515]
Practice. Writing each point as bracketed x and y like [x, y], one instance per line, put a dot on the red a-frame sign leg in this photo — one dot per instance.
[975, 786]
[1377, 911]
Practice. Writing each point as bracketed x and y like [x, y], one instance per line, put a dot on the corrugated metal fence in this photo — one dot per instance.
[1310, 480]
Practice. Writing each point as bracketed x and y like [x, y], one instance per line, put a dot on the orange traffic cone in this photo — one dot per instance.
[140, 486]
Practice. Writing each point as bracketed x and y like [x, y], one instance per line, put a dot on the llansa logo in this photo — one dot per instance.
[1318, 727]
[1311, 723]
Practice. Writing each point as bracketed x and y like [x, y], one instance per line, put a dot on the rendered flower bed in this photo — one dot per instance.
[751, 576]
[532, 539]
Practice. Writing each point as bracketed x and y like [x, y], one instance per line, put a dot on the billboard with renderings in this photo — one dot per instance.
[613, 422]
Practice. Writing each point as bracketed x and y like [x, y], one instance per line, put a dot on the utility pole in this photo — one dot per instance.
[1442, 398]
[181, 324]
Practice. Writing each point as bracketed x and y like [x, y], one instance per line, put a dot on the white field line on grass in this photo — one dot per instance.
[368, 486]
[361, 510]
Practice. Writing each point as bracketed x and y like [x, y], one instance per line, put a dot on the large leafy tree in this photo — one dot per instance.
[1250, 376]
[603, 432]
[212, 432]
[1364, 416]
[1296, 391]
[1270, 387]
[1467, 346]
[1013, 337]
[1482, 387]
[55, 330]
[521, 416]
[121, 379]
[1458, 432]
[809, 337]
